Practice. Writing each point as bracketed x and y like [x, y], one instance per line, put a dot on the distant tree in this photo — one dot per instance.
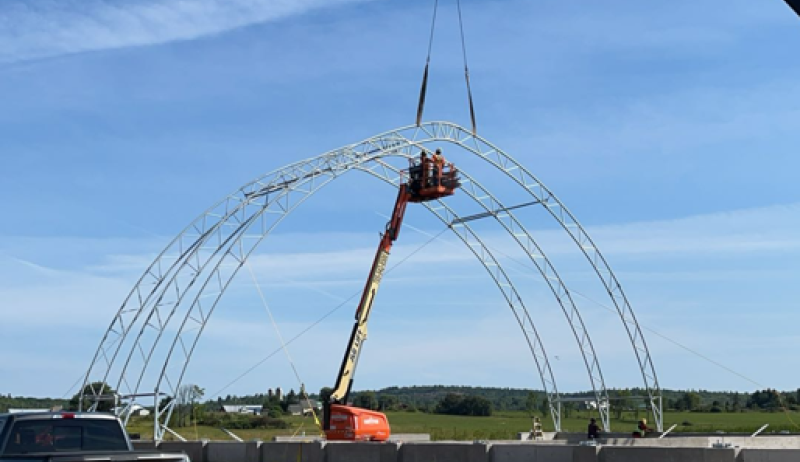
[387, 402]
[621, 403]
[449, 404]
[568, 407]
[103, 393]
[366, 400]
[188, 394]
[544, 407]
[691, 401]
[325, 393]
[475, 406]
[531, 403]
[454, 404]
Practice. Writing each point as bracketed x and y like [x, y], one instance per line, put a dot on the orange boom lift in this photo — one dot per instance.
[428, 179]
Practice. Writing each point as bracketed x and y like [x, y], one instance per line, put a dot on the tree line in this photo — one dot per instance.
[429, 398]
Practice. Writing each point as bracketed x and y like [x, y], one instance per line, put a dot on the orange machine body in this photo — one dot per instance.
[350, 423]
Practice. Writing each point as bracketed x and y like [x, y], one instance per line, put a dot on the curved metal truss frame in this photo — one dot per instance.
[217, 244]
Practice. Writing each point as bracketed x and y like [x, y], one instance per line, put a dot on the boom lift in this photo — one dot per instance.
[428, 179]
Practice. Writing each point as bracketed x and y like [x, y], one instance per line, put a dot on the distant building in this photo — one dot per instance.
[592, 405]
[135, 409]
[254, 409]
[26, 411]
[304, 408]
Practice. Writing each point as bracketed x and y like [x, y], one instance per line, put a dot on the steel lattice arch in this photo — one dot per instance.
[149, 344]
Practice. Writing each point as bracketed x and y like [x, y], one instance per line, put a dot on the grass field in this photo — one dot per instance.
[503, 425]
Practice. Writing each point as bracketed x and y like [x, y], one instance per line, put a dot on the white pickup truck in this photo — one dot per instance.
[71, 437]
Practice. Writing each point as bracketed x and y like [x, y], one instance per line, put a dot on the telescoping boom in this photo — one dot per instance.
[428, 179]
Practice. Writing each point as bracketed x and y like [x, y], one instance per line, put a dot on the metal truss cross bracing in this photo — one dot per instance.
[177, 294]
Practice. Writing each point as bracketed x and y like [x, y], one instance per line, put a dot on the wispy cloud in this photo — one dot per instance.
[31, 30]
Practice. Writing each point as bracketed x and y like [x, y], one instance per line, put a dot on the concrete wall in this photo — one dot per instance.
[532, 452]
[194, 449]
[291, 452]
[444, 452]
[768, 455]
[144, 445]
[622, 454]
[232, 451]
[456, 451]
[366, 452]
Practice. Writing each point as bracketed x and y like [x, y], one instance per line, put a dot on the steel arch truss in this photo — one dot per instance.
[186, 281]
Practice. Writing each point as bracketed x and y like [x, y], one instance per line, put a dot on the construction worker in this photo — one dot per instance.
[641, 429]
[593, 431]
[438, 166]
[417, 173]
[438, 158]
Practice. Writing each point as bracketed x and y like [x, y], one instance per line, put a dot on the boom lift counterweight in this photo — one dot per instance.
[428, 179]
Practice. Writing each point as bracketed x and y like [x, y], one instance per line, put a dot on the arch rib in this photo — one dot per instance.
[446, 131]
[485, 256]
[232, 212]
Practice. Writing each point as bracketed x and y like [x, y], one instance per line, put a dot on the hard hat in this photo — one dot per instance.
[644, 421]
[438, 151]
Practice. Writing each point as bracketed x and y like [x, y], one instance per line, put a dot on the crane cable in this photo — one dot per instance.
[424, 88]
[466, 70]
[326, 315]
[284, 348]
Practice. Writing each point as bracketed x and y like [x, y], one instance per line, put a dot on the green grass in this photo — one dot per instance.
[503, 425]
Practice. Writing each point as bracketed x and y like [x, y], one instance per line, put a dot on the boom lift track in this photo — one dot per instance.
[428, 179]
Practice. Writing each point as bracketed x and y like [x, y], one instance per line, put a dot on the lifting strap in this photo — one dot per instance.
[466, 70]
[424, 87]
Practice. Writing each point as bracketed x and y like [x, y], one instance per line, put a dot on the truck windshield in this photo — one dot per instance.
[64, 435]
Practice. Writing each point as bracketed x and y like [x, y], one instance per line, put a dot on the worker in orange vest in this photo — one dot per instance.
[438, 166]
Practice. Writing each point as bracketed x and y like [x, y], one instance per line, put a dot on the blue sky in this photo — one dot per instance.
[670, 130]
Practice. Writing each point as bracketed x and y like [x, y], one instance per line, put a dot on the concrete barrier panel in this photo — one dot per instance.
[194, 449]
[292, 452]
[769, 455]
[639, 454]
[361, 452]
[443, 452]
[232, 451]
[530, 453]
[765, 442]
[586, 454]
[144, 445]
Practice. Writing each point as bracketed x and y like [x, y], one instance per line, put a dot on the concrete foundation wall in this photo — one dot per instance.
[621, 454]
[291, 452]
[144, 445]
[444, 452]
[362, 452]
[768, 455]
[455, 451]
[231, 451]
[541, 453]
[194, 449]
